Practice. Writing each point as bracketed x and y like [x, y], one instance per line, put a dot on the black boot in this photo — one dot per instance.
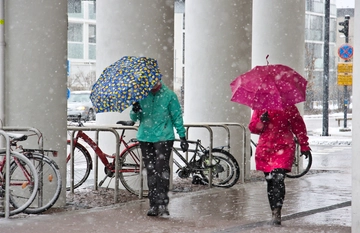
[153, 211]
[276, 217]
[163, 210]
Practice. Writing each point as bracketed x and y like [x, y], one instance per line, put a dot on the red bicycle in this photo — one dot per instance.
[129, 173]
[23, 182]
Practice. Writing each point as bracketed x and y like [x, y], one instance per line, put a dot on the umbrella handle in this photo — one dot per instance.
[267, 62]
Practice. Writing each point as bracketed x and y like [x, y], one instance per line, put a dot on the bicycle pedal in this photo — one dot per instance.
[102, 181]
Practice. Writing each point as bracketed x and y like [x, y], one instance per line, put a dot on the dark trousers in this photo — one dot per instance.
[156, 158]
[275, 187]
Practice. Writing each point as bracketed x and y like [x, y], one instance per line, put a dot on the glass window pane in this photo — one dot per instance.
[316, 22]
[74, 6]
[92, 33]
[319, 7]
[75, 9]
[75, 32]
[92, 52]
[92, 10]
[75, 50]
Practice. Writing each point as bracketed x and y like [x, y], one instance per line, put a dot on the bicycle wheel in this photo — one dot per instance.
[49, 183]
[130, 171]
[225, 169]
[23, 185]
[296, 171]
[82, 166]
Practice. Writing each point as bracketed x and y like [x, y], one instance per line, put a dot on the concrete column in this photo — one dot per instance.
[355, 202]
[137, 28]
[217, 50]
[278, 31]
[133, 28]
[35, 72]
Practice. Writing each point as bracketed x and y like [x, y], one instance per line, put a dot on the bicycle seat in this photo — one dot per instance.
[127, 123]
[17, 137]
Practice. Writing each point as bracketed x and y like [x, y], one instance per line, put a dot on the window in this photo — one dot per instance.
[92, 10]
[92, 33]
[74, 6]
[75, 51]
[75, 41]
[75, 32]
[92, 41]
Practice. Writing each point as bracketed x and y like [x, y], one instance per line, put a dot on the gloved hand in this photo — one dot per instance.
[264, 117]
[306, 153]
[184, 144]
[136, 107]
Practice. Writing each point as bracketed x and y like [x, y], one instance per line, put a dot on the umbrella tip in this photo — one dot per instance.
[267, 62]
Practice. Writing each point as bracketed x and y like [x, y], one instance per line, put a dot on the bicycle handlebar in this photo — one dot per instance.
[125, 123]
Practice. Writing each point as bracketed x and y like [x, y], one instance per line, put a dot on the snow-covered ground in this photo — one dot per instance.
[337, 135]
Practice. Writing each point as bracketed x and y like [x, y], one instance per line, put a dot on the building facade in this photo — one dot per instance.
[314, 54]
[82, 49]
[81, 44]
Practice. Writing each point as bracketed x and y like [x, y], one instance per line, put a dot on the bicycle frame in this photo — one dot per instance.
[102, 155]
[198, 148]
[26, 173]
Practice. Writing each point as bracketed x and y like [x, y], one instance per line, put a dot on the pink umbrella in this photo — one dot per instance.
[269, 87]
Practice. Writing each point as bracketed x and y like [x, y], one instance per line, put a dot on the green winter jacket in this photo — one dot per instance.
[161, 112]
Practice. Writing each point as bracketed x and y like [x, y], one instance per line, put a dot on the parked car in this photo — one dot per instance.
[79, 103]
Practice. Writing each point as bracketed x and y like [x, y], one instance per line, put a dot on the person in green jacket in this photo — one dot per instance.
[159, 113]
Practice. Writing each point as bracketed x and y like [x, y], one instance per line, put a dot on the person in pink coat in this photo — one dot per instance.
[275, 151]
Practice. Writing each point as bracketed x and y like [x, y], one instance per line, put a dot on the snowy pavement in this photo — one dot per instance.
[317, 202]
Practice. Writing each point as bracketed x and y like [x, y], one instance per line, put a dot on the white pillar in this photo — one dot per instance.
[35, 64]
[136, 28]
[217, 50]
[355, 202]
[278, 31]
[133, 28]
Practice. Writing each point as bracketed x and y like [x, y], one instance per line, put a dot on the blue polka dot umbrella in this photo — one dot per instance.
[124, 82]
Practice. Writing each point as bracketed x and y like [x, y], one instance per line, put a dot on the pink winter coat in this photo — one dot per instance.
[276, 146]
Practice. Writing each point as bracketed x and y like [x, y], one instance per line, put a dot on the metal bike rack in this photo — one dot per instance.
[113, 129]
[194, 125]
[110, 128]
[7, 178]
[226, 125]
[220, 125]
[40, 143]
[242, 171]
[96, 169]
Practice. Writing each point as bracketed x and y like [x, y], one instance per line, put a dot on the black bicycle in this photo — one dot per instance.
[223, 166]
[301, 164]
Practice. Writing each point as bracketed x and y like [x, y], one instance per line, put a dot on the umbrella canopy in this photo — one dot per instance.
[269, 87]
[124, 82]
